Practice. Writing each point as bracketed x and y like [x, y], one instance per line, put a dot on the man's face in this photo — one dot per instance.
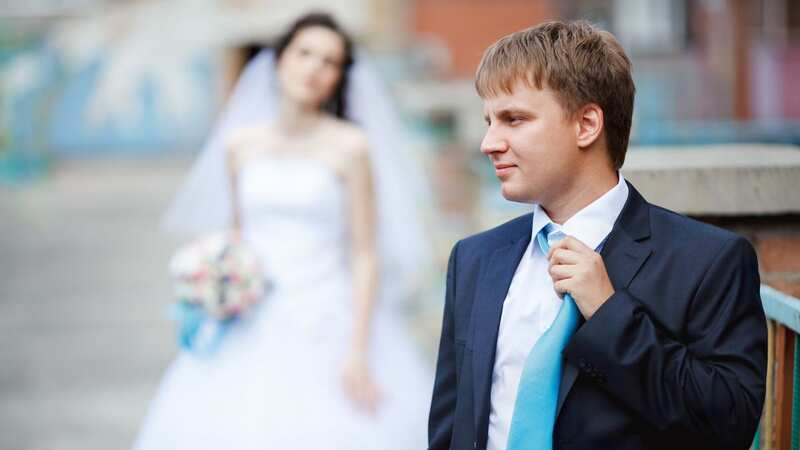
[531, 142]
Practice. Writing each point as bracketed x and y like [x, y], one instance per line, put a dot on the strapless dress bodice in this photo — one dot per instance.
[294, 214]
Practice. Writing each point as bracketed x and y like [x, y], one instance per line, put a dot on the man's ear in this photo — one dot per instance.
[589, 124]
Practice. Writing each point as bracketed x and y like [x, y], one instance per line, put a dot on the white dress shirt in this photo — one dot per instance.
[531, 304]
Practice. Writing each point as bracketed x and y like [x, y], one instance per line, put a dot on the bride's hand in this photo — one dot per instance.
[235, 235]
[359, 385]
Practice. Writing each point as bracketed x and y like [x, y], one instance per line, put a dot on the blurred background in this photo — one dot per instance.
[104, 103]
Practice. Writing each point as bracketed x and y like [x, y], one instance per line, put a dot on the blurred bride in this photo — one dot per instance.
[307, 167]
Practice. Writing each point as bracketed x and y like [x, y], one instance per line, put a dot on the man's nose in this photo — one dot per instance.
[493, 142]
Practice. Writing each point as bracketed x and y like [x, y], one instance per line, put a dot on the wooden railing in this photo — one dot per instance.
[779, 428]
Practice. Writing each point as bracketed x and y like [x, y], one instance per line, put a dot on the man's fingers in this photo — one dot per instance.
[565, 256]
[562, 286]
[562, 271]
[570, 243]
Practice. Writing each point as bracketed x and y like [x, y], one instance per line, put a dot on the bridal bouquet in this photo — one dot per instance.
[215, 280]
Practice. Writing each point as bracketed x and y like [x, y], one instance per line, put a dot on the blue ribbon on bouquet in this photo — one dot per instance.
[198, 332]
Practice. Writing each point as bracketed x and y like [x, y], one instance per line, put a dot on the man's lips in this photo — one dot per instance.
[503, 169]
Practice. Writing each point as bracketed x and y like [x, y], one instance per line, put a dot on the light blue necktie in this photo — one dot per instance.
[537, 396]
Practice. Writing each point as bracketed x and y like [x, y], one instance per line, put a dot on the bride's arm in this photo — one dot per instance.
[233, 159]
[364, 261]
[364, 265]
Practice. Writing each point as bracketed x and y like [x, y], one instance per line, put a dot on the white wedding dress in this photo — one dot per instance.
[275, 380]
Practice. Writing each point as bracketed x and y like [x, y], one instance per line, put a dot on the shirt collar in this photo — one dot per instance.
[591, 224]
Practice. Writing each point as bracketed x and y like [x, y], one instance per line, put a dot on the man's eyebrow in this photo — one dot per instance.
[511, 111]
[505, 113]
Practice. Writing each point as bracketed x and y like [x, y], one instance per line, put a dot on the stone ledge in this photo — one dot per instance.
[718, 180]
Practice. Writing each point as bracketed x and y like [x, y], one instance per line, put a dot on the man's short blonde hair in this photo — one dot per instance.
[579, 62]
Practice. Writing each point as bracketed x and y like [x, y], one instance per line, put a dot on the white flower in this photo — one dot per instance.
[222, 277]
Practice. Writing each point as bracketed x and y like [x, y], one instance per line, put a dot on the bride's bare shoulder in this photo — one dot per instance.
[349, 153]
[249, 140]
[351, 139]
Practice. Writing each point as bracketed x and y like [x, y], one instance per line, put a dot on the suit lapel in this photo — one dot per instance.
[624, 253]
[491, 294]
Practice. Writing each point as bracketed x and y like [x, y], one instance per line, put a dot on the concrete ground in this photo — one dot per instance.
[84, 292]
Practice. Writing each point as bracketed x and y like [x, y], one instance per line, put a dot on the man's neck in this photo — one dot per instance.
[580, 194]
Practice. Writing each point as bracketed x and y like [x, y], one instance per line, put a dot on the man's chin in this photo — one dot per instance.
[514, 195]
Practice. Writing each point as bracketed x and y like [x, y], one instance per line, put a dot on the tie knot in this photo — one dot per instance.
[552, 233]
[549, 235]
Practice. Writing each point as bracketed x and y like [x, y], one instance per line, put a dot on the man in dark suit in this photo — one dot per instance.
[598, 321]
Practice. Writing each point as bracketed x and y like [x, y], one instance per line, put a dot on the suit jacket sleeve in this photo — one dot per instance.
[443, 403]
[711, 385]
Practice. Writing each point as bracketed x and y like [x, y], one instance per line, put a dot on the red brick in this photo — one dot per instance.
[779, 252]
[783, 284]
[468, 27]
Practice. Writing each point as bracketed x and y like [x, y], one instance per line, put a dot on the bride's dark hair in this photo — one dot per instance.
[336, 104]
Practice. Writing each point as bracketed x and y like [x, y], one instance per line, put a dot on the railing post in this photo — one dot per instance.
[784, 386]
[765, 434]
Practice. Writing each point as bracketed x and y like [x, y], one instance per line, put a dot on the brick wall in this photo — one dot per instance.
[777, 242]
[779, 260]
[467, 27]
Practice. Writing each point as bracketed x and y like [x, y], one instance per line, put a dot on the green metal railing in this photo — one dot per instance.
[780, 422]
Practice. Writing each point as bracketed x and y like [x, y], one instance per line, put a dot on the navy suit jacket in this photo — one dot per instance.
[676, 358]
